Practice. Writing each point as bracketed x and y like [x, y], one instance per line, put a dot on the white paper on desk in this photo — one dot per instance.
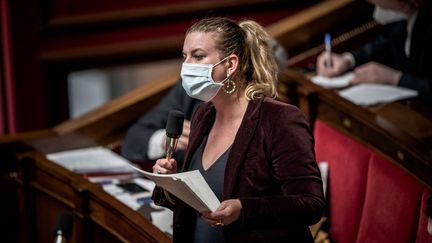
[189, 186]
[91, 160]
[334, 82]
[371, 94]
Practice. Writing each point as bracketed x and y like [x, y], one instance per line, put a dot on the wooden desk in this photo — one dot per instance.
[400, 131]
[46, 189]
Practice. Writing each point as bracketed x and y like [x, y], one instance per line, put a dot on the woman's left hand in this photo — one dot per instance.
[228, 212]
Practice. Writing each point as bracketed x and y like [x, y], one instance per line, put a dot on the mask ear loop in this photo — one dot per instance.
[222, 60]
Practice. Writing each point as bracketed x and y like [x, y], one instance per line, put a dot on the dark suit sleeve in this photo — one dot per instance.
[135, 144]
[422, 85]
[291, 153]
[387, 48]
[371, 51]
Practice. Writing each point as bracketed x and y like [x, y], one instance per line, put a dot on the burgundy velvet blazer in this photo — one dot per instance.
[271, 168]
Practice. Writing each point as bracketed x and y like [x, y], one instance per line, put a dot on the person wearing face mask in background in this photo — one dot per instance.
[256, 153]
[401, 55]
[145, 139]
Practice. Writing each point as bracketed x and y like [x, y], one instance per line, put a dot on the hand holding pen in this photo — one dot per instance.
[328, 53]
[331, 64]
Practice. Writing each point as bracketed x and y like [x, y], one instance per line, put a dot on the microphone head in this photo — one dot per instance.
[174, 126]
[64, 224]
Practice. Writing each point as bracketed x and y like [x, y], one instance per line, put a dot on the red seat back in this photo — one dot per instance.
[422, 234]
[348, 163]
[392, 204]
[370, 198]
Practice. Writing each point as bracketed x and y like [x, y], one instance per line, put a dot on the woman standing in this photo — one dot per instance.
[257, 154]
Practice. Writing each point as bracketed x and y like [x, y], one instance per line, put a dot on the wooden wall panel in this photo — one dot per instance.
[52, 38]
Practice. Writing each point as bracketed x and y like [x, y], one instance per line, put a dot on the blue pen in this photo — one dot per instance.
[327, 43]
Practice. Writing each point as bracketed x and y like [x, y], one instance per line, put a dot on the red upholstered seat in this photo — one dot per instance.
[392, 204]
[422, 234]
[370, 198]
[348, 163]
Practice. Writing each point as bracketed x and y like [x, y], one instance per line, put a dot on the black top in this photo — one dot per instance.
[214, 177]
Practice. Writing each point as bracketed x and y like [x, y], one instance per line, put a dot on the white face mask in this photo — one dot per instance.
[386, 16]
[197, 80]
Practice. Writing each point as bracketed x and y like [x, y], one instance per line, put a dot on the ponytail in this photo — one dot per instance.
[262, 68]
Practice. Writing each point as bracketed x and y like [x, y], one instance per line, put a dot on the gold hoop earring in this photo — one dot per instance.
[229, 86]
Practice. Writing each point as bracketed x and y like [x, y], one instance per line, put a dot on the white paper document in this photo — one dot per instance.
[333, 82]
[91, 160]
[372, 94]
[323, 167]
[189, 186]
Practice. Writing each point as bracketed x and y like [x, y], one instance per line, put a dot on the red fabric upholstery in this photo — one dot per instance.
[348, 167]
[392, 204]
[370, 198]
[422, 234]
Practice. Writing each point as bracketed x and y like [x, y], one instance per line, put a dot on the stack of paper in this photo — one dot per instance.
[189, 186]
[91, 160]
[372, 94]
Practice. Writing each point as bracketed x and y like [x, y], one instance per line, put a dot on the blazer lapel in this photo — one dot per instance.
[240, 146]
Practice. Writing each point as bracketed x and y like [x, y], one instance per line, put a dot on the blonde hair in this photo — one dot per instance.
[251, 43]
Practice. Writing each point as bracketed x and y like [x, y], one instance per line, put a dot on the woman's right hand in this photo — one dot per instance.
[164, 166]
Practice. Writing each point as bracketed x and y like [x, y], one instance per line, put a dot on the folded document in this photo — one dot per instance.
[189, 186]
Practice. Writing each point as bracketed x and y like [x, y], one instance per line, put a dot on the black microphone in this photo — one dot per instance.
[63, 227]
[174, 129]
